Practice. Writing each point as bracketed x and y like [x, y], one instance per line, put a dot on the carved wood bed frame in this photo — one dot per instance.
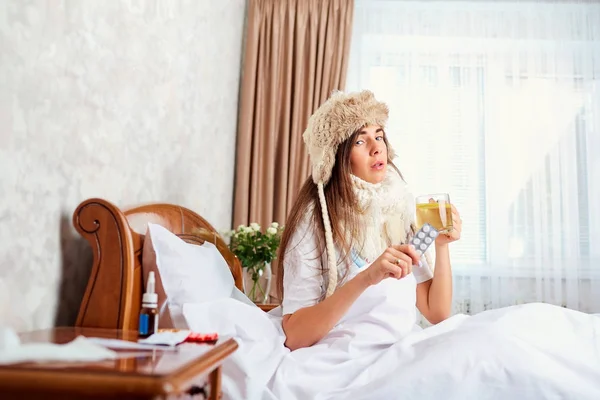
[114, 291]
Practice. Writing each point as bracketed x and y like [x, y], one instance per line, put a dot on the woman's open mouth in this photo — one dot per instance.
[378, 166]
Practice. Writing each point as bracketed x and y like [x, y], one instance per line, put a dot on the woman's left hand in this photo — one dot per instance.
[454, 234]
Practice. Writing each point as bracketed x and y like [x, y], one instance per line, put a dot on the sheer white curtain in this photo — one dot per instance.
[498, 104]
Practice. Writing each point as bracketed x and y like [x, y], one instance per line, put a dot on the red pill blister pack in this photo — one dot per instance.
[202, 337]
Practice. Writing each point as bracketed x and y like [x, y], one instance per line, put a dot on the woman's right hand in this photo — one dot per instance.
[394, 262]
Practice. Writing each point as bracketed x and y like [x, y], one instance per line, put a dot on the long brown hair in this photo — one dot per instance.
[341, 205]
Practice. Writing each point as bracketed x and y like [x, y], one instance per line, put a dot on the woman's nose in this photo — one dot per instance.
[376, 149]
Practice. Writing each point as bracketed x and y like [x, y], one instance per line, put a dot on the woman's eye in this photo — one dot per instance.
[380, 138]
[359, 142]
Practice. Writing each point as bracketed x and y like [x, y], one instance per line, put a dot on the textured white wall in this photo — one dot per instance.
[132, 101]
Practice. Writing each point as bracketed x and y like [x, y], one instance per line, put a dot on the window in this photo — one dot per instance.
[497, 104]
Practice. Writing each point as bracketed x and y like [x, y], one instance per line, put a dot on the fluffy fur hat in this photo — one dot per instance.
[333, 123]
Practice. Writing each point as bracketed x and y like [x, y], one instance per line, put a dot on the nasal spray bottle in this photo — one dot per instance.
[148, 323]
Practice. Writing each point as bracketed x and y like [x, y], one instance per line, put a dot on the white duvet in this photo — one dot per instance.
[532, 351]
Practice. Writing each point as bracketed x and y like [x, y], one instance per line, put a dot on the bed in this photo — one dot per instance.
[114, 290]
[527, 351]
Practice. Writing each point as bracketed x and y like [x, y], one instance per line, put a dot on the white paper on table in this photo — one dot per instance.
[80, 349]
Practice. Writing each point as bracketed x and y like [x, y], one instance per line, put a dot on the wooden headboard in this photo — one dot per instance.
[114, 291]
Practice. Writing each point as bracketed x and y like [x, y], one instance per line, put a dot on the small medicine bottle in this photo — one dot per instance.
[148, 323]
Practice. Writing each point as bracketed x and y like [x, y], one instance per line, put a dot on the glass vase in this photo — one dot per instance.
[257, 282]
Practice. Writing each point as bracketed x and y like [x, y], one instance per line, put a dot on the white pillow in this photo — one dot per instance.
[185, 273]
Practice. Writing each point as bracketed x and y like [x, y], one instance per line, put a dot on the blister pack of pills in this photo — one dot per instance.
[424, 238]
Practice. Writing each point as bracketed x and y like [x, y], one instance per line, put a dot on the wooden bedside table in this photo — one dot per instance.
[147, 374]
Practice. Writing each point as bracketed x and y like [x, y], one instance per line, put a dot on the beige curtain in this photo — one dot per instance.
[296, 54]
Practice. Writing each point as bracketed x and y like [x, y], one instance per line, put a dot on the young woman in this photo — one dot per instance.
[348, 231]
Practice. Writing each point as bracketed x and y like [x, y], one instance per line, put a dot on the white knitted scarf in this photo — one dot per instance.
[386, 212]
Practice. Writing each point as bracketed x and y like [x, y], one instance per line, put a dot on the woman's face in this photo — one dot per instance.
[368, 156]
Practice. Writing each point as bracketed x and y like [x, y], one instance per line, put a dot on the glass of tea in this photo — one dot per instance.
[436, 210]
